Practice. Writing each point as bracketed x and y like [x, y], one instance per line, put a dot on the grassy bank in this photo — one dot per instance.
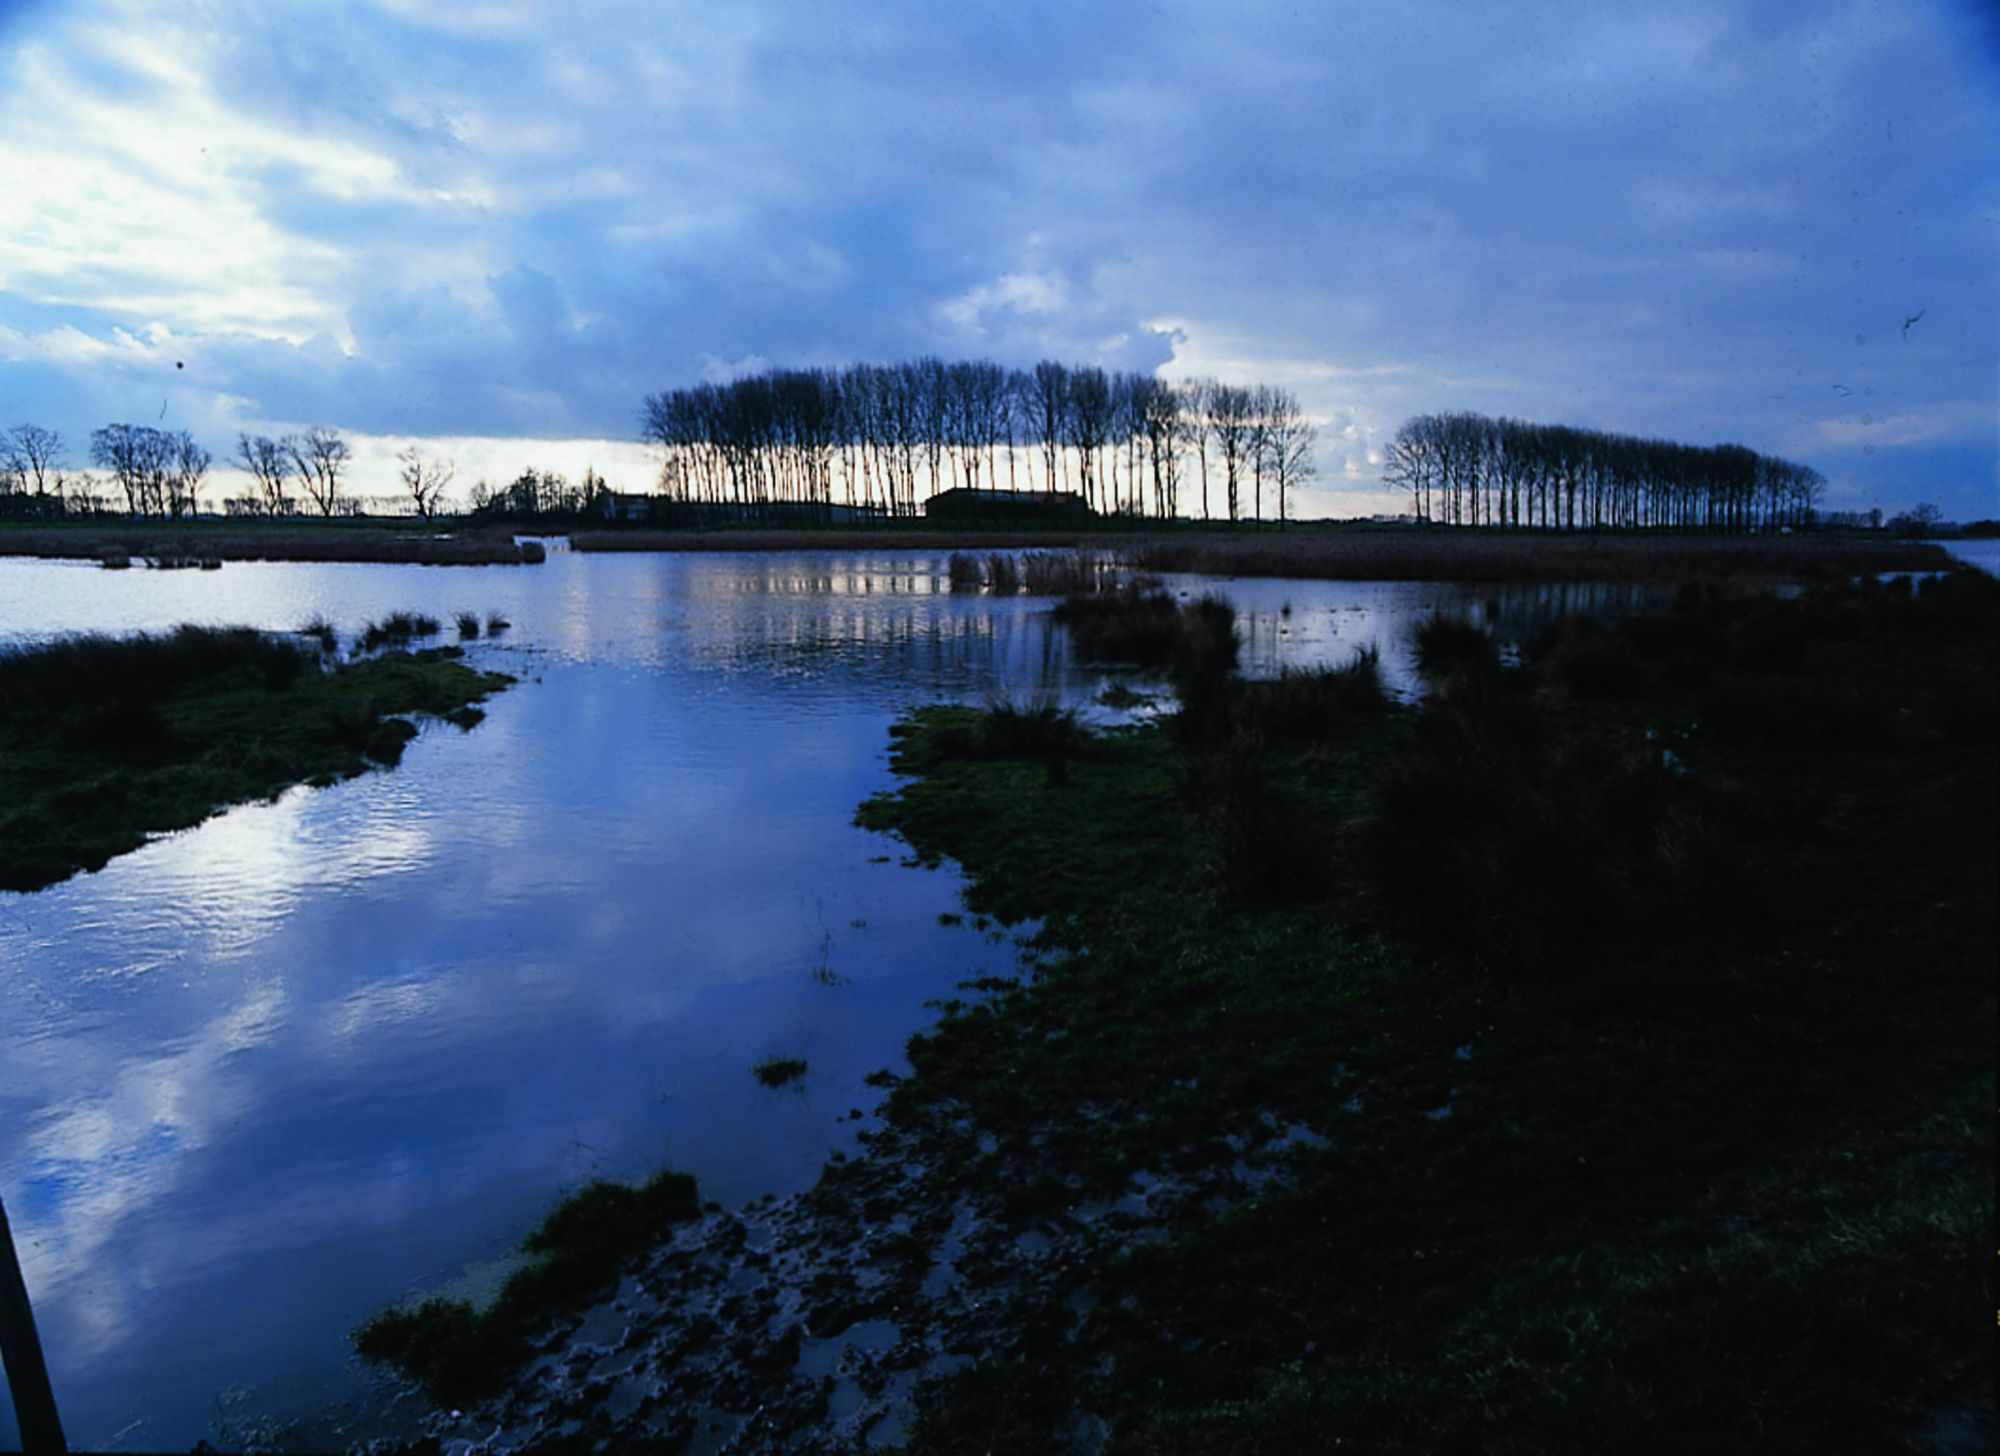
[1466, 555]
[105, 742]
[1617, 1097]
[415, 543]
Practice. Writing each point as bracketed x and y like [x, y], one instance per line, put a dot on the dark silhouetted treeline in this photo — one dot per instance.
[1469, 470]
[888, 436]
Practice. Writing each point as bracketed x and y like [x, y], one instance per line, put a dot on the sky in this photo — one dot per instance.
[495, 227]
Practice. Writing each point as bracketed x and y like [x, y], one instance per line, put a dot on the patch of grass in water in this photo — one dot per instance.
[458, 1353]
[104, 741]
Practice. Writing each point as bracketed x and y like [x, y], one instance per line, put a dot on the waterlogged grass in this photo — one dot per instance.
[459, 1353]
[1643, 1100]
[106, 742]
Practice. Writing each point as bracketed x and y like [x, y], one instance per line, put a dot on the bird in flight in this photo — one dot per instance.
[1912, 319]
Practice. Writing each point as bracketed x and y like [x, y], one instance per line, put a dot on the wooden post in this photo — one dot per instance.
[21, 1349]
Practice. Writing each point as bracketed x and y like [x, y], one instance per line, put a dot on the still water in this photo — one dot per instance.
[264, 1077]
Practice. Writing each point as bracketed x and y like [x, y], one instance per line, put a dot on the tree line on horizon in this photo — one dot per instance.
[888, 436]
[1467, 469]
[159, 473]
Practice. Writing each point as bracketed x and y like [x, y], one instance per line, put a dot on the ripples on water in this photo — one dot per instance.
[266, 1076]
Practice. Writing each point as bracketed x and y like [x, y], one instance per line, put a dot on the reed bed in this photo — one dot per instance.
[1489, 556]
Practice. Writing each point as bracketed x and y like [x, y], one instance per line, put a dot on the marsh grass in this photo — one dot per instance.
[458, 1353]
[468, 626]
[1697, 1086]
[104, 740]
[398, 629]
[320, 631]
[1440, 554]
[1448, 645]
[1313, 702]
[779, 1071]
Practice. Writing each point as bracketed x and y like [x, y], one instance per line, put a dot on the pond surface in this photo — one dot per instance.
[264, 1077]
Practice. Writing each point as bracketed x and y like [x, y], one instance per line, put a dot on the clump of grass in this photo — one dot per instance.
[962, 571]
[458, 1353]
[1129, 626]
[533, 553]
[1261, 843]
[496, 624]
[1040, 729]
[319, 630]
[398, 629]
[1201, 668]
[1497, 837]
[779, 1071]
[1313, 703]
[91, 672]
[468, 626]
[1448, 645]
[1003, 575]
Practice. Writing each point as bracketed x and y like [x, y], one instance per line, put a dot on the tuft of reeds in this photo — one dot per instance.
[1262, 844]
[468, 626]
[1063, 573]
[1126, 626]
[397, 629]
[89, 672]
[319, 630]
[1448, 645]
[496, 624]
[1304, 704]
[533, 553]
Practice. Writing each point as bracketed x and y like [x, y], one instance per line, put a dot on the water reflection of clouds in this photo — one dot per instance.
[102, 1160]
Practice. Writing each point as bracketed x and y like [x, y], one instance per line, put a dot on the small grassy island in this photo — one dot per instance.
[1593, 1055]
[105, 742]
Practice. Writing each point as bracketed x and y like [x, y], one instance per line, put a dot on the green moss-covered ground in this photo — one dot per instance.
[1645, 1108]
[105, 743]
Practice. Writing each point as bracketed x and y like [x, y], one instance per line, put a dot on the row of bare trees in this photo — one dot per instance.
[153, 472]
[890, 435]
[1471, 470]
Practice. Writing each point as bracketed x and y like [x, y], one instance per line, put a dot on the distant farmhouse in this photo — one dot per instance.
[962, 503]
[665, 510]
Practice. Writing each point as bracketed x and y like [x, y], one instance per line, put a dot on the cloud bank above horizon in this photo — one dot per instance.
[509, 222]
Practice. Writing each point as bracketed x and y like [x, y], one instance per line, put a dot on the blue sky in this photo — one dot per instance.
[497, 226]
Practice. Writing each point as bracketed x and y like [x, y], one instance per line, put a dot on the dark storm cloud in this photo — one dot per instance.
[1709, 222]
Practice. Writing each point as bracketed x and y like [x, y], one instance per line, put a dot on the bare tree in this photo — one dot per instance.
[31, 459]
[268, 464]
[140, 459]
[1289, 447]
[187, 465]
[319, 457]
[425, 480]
